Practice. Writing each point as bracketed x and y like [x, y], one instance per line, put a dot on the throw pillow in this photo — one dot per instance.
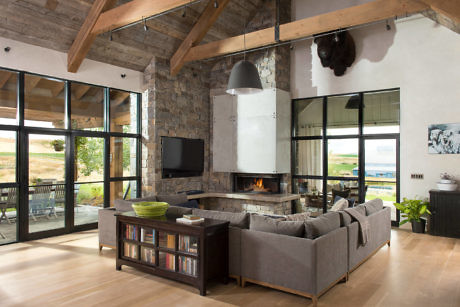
[351, 201]
[373, 206]
[360, 209]
[298, 217]
[322, 225]
[177, 211]
[340, 205]
[345, 219]
[240, 220]
[188, 204]
[282, 227]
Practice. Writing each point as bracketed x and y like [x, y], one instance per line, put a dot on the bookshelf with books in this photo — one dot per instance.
[188, 253]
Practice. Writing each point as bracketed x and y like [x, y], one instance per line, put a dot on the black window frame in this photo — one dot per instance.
[361, 137]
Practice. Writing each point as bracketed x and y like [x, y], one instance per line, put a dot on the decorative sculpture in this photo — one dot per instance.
[336, 51]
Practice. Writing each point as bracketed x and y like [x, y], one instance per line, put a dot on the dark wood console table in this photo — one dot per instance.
[185, 253]
[445, 209]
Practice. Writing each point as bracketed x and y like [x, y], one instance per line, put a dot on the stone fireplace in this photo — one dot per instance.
[257, 183]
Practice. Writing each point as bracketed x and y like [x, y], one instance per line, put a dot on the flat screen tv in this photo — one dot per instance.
[181, 157]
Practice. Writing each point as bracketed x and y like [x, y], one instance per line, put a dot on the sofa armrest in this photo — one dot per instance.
[331, 258]
[107, 226]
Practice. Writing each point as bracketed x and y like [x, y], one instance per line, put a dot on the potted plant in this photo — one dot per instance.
[447, 183]
[412, 210]
[58, 145]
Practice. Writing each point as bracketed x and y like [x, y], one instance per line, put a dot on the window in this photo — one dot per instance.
[356, 156]
[80, 150]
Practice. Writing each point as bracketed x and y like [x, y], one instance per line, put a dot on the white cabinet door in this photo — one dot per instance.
[224, 130]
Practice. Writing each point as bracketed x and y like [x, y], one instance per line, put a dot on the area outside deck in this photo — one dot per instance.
[84, 214]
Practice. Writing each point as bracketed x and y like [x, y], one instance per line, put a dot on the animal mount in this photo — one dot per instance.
[336, 51]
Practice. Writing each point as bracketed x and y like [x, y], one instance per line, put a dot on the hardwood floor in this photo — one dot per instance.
[417, 270]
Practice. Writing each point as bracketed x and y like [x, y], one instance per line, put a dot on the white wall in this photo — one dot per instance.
[417, 55]
[54, 63]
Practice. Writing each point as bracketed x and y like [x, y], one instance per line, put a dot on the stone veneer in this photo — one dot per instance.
[251, 206]
[173, 106]
[181, 106]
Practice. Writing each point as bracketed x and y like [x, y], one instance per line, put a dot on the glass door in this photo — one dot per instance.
[89, 179]
[381, 172]
[46, 182]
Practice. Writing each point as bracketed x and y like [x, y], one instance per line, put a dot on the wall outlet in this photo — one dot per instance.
[416, 176]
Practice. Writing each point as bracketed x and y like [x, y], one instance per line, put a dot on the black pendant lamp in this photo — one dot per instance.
[244, 78]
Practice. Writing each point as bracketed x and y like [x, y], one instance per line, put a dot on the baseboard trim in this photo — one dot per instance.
[370, 255]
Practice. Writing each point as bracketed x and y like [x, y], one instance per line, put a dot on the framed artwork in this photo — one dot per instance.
[444, 139]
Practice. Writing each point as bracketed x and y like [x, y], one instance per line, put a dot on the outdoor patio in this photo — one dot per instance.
[83, 215]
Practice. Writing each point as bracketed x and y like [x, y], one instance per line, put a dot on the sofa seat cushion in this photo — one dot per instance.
[125, 205]
[173, 200]
[322, 225]
[279, 226]
[373, 206]
[236, 219]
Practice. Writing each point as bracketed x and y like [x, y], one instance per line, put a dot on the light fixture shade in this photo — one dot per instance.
[244, 79]
[353, 103]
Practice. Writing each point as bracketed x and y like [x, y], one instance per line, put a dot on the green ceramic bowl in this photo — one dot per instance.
[150, 208]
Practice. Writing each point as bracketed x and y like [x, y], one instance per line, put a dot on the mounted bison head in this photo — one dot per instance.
[336, 51]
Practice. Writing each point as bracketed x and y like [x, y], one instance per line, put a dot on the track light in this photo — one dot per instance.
[216, 4]
[388, 26]
[110, 36]
[145, 25]
[184, 14]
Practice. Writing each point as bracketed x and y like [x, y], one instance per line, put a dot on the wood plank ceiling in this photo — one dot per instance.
[55, 23]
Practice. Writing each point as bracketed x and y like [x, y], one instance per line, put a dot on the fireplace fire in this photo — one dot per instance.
[257, 183]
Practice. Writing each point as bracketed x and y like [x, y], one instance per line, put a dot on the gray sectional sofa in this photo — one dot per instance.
[293, 254]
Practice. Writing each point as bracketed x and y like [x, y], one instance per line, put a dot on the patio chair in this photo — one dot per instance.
[59, 198]
[40, 201]
[9, 203]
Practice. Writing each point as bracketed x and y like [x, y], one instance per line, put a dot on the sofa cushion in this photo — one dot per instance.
[178, 211]
[267, 224]
[125, 205]
[173, 199]
[240, 219]
[298, 217]
[188, 204]
[340, 205]
[345, 219]
[373, 206]
[360, 209]
[322, 225]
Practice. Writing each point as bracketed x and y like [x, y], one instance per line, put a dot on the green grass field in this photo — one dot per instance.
[57, 155]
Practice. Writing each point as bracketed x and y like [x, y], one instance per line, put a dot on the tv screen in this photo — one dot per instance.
[182, 157]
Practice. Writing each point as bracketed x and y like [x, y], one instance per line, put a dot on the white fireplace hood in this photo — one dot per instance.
[251, 133]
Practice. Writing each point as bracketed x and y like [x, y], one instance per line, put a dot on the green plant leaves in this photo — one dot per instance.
[412, 209]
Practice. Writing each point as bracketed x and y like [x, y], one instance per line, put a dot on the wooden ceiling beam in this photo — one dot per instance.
[448, 8]
[340, 19]
[31, 82]
[118, 98]
[85, 36]
[4, 77]
[133, 11]
[57, 88]
[80, 90]
[196, 35]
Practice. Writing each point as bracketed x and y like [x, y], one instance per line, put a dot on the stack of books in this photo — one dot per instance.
[147, 235]
[190, 219]
[148, 255]
[188, 244]
[131, 232]
[187, 265]
[130, 250]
